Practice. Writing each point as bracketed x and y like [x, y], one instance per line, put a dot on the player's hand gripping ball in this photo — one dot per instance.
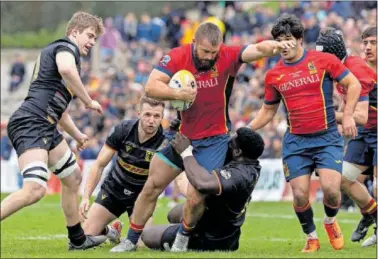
[186, 83]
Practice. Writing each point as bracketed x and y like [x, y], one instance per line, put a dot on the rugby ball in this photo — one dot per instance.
[181, 79]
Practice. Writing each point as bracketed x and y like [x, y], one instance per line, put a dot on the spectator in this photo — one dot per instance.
[17, 73]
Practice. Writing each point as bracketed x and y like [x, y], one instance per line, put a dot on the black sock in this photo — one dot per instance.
[105, 231]
[76, 234]
[330, 211]
[306, 218]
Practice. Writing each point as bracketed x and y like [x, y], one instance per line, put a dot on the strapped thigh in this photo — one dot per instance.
[36, 172]
[65, 166]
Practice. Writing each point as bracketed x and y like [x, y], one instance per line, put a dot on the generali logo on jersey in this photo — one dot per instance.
[298, 82]
[207, 83]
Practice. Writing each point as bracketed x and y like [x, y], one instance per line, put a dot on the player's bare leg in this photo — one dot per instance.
[33, 166]
[64, 165]
[330, 181]
[371, 241]
[301, 191]
[161, 174]
[360, 195]
[97, 221]
[140, 241]
[193, 210]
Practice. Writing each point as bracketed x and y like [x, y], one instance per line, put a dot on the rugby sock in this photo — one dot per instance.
[330, 212]
[370, 209]
[76, 234]
[184, 229]
[134, 232]
[105, 231]
[306, 218]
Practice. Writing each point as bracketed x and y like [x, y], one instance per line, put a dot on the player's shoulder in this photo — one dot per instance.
[180, 50]
[127, 123]
[320, 56]
[275, 71]
[63, 43]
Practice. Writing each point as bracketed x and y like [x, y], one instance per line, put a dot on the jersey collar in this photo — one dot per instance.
[296, 62]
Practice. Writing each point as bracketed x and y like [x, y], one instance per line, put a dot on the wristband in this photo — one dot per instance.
[187, 152]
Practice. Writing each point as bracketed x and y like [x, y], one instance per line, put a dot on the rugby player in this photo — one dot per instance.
[303, 80]
[33, 132]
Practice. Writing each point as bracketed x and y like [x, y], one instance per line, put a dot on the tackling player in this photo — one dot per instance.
[227, 190]
[362, 151]
[206, 123]
[303, 80]
[33, 132]
[135, 142]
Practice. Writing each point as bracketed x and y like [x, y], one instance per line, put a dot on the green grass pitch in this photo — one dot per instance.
[271, 230]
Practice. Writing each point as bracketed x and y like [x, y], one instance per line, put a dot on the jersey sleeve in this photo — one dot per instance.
[234, 54]
[272, 96]
[230, 182]
[335, 68]
[68, 48]
[168, 63]
[366, 83]
[114, 138]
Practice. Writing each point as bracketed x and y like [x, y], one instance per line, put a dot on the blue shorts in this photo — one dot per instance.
[301, 155]
[362, 150]
[209, 152]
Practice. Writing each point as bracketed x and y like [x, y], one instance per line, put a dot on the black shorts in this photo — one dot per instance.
[116, 205]
[27, 130]
[201, 242]
[369, 171]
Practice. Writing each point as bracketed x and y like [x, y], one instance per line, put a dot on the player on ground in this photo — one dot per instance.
[206, 123]
[227, 189]
[303, 80]
[33, 127]
[135, 142]
[362, 151]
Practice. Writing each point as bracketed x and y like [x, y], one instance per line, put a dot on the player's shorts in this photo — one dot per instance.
[301, 155]
[209, 152]
[27, 130]
[114, 205]
[201, 242]
[369, 171]
[362, 150]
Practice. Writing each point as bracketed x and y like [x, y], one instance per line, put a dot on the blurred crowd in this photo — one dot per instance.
[132, 45]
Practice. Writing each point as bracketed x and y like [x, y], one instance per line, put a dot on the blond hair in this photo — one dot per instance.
[83, 20]
[152, 102]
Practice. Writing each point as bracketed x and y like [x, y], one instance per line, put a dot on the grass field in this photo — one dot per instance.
[270, 231]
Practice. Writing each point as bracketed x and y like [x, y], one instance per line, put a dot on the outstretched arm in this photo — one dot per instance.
[265, 48]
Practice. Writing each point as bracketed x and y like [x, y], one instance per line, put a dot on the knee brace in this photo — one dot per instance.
[36, 172]
[65, 166]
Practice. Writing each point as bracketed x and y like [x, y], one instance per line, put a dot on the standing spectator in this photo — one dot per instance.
[17, 73]
[109, 40]
[130, 26]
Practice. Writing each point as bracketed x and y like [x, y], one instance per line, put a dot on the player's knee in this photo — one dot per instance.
[151, 189]
[175, 214]
[195, 200]
[301, 196]
[332, 195]
[34, 193]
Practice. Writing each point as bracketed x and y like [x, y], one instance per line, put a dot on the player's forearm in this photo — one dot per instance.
[69, 126]
[360, 117]
[199, 177]
[352, 97]
[72, 79]
[267, 48]
[263, 117]
[160, 90]
[93, 179]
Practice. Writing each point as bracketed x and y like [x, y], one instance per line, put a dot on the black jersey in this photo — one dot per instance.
[48, 95]
[130, 171]
[225, 212]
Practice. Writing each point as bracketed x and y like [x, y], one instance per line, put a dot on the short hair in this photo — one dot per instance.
[288, 24]
[369, 32]
[250, 142]
[83, 20]
[209, 31]
[152, 102]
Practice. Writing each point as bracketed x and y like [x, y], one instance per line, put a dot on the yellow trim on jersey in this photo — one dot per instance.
[225, 103]
[70, 91]
[375, 109]
[131, 168]
[288, 113]
[324, 103]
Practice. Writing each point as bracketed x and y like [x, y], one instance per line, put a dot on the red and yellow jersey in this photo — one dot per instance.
[368, 80]
[306, 88]
[208, 116]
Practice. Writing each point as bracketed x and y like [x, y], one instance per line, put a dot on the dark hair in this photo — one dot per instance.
[331, 41]
[209, 31]
[369, 32]
[288, 24]
[250, 142]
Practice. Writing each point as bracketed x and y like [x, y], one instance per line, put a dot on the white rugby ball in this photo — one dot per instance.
[181, 79]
